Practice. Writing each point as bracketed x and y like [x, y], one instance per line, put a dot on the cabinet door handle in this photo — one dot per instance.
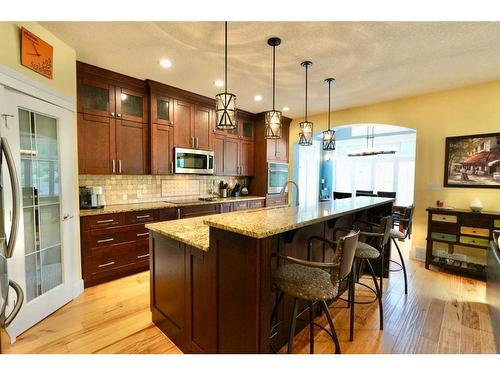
[178, 213]
[197, 142]
[120, 166]
[106, 264]
[112, 114]
[142, 256]
[142, 234]
[142, 216]
[114, 165]
[171, 122]
[171, 167]
[119, 114]
[105, 221]
[106, 240]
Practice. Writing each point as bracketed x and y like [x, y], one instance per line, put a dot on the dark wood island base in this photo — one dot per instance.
[219, 299]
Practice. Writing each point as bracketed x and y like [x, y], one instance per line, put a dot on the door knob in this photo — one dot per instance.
[67, 217]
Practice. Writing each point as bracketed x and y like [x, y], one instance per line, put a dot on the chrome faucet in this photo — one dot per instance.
[282, 192]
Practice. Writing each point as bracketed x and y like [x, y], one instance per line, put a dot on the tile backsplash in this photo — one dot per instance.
[120, 189]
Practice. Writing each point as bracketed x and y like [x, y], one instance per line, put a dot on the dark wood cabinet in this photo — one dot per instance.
[183, 113]
[266, 150]
[231, 157]
[96, 144]
[112, 122]
[202, 127]
[199, 210]
[277, 149]
[246, 158]
[162, 139]
[218, 142]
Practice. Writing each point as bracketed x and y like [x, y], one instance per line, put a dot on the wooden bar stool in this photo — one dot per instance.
[309, 281]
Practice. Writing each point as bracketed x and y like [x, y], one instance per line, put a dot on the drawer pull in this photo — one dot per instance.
[142, 256]
[106, 264]
[142, 216]
[142, 234]
[105, 221]
[106, 240]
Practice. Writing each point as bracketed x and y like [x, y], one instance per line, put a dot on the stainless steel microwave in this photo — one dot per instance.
[191, 161]
[277, 175]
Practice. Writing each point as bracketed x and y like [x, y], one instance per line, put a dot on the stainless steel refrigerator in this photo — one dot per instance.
[7, 243]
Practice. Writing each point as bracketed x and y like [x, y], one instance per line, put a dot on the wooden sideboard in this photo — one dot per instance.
[462, 228]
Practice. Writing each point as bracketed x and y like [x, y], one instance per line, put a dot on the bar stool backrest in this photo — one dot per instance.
[364, 192]
[345, 251]
[340, 195]
[386, 194]
[409, 216]
[386, 224]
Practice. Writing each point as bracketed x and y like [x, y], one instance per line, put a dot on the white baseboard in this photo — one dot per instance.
[418, 253]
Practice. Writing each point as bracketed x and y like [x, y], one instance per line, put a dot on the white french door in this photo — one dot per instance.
[46, 260]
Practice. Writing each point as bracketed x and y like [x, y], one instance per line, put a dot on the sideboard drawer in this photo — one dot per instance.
[482, 232]
[474, 241]
[443, 237]
[445, 218]
[497, 223]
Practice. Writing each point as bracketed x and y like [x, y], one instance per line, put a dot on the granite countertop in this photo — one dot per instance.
[173, 203]
[265, 223]
[192, 231]
[260, 223]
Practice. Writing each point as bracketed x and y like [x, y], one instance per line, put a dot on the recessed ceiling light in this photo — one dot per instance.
[165, 63]
[257, 98]
[219, 83]
[285, 109]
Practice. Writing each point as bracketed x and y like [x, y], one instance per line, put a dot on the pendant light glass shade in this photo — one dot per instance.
[273, 125]
[329, 140]
[225, 103]
[329, 135]
[306, 127]
[306, 133]
[273, 118]
[225, 110]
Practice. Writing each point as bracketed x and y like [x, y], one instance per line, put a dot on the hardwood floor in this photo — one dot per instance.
[442, 313]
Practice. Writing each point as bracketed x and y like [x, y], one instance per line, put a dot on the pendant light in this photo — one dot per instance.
[273, 118]
[306, 127]
[225, 103]
[329, 135]
[371, 150]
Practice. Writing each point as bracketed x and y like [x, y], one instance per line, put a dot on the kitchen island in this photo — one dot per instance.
[211, 289]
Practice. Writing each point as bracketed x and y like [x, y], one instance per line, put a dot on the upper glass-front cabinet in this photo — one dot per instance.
[96, 98]
[130, 105]
[162, 110]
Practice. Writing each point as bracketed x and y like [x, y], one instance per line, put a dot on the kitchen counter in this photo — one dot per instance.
[219, 299]
[193, 231]
[174, 203]
[265, 223]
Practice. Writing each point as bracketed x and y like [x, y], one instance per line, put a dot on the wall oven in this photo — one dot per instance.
[191, 161]
[277, 175]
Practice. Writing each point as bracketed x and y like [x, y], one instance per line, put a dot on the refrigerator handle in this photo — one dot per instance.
[19, 303]
[14, 182]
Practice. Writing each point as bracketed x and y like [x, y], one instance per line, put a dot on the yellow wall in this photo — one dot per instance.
[435, 116]
[64, 79]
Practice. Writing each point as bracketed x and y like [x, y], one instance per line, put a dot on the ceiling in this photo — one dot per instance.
[371, 61]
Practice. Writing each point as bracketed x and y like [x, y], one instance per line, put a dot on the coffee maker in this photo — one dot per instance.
[91, 197]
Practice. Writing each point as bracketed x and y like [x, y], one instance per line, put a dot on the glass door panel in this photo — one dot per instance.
[41, 202]
[94, 98]
[132, 105]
